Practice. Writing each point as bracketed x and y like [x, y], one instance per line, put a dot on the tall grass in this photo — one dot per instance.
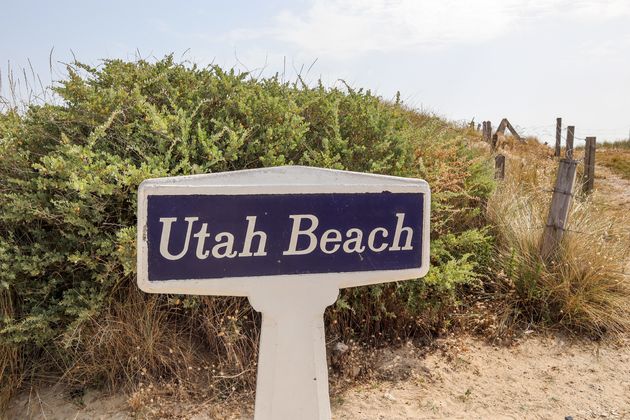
[584, 288]
[153, 339]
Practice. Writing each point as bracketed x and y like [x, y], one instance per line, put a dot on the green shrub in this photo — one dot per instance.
[68, 212]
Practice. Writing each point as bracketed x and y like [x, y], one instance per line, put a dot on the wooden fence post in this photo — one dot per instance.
[558, 136]
[506, 124]
[559, 208]
[568, 152]
[588, 179]
[489, 131]
[485, 131]
[495, 140]
[499, 167]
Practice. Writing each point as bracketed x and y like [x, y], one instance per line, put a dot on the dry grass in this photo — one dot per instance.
[584, 288]
[144, 342]
[11, 361]
[615, 156]
[618, 160]
[530, 148]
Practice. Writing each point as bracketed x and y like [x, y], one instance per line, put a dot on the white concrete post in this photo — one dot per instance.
[292, 369]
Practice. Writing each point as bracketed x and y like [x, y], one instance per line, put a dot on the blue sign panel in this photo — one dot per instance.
[218, 236]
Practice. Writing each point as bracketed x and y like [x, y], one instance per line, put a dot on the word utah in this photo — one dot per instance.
[305, 238]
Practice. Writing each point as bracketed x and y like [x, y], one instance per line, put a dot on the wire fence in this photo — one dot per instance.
[564, 190]
[547, 132]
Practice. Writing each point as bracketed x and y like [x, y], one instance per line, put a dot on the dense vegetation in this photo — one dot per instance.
[69, 305]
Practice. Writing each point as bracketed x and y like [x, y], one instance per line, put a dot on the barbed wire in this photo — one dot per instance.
[544, 131]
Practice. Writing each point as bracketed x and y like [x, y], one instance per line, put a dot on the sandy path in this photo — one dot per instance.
[539, 378]
[613, 192]
[612, 189]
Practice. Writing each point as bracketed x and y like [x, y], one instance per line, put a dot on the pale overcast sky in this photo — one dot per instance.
[528, 60]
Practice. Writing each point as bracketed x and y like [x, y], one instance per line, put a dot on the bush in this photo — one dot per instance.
[68, 200]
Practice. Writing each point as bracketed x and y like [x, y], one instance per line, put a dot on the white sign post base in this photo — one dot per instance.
[292, 370]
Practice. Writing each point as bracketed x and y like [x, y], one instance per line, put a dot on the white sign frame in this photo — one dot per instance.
[299, 180]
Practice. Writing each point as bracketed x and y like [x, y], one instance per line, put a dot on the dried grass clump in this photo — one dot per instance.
[529, 146]
[584, 288]
[147, 339]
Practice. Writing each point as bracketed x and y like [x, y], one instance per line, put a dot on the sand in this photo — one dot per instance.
[463, 377]
[538, 378]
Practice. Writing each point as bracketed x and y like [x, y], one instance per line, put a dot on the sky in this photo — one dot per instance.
[528, 60]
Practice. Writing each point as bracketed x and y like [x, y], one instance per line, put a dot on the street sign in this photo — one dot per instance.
[287, 238]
